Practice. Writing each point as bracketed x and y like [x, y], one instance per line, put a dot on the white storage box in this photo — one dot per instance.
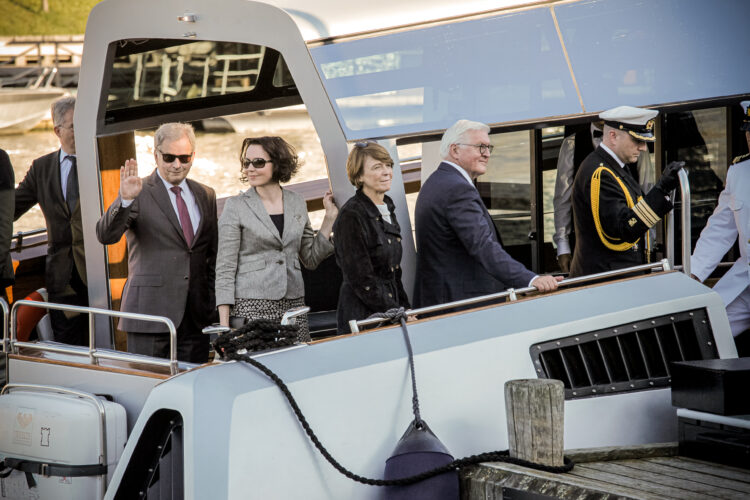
[53, 428]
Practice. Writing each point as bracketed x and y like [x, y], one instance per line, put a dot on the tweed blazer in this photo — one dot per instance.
[42, 185]
[161, 265]
[254, 262]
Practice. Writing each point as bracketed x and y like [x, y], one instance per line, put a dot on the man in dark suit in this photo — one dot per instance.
[171, 229]
[459, 253]
[7, 197]
[612, 215]
[52, 182]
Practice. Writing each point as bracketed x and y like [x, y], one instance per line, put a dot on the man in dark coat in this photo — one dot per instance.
[7, 197]
[171, 227]
[52, 182]
[459, 253]
[612, 215]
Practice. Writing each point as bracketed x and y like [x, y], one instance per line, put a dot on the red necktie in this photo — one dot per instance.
[187, 225]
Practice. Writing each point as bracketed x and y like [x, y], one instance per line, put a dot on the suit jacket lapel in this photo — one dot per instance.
[292, 218]
[253, 201]
[160, 195]
[202, 201]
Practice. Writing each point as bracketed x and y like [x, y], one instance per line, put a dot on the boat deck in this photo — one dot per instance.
[637, 472]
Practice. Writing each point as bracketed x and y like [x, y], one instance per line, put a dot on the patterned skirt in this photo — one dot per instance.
[272, 310]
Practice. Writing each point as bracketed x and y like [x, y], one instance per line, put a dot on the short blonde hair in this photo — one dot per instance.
[355, 164]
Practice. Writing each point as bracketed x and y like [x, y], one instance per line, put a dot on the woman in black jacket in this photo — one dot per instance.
[367, 239]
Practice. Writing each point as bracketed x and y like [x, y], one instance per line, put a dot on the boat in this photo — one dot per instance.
[224, 430]
[23, 108]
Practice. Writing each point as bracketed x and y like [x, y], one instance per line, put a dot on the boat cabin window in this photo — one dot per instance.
[153, 78]
[409, 81]
[506, 191]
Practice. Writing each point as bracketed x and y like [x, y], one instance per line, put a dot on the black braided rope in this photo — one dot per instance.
[230, 352]
[398, 315]
[257, 335]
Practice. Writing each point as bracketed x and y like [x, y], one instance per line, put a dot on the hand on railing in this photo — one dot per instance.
[669, 180]
[546, 282]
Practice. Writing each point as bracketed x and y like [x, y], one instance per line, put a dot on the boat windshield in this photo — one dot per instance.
[150, 78]
[532, 64]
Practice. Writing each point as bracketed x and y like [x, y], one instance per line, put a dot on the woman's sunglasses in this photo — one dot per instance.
[169, 158]
[255, 162]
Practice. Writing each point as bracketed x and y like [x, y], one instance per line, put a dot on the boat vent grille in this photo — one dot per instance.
[629, 357]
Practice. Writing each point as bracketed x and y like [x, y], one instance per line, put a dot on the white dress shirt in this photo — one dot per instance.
[66, 163]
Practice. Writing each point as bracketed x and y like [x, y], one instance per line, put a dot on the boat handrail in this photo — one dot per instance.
[512, 293]
[81, 394]
[20, 235]
[94, 355]
[685, 218]
[4, 307]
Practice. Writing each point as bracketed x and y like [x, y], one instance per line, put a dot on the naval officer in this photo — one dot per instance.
[730, 222]
[611, 213]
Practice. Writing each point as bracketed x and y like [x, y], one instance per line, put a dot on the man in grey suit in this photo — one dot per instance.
[171, 230]
[459, 252]
[52, 182]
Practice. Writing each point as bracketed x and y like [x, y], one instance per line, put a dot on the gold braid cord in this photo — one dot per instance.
[608, 241]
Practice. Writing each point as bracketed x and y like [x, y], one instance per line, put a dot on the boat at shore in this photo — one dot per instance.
[529, 70]
[23, 108]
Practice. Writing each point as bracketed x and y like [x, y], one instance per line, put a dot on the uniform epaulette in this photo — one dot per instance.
[741, 158]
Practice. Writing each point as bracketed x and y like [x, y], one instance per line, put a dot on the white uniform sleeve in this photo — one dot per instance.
[717, 237]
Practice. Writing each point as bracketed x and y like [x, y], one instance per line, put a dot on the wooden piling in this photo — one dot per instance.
[534, 410]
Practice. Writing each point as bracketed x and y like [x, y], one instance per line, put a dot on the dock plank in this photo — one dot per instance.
[548, 483]
[718, 470]
[740, 487]
[681, 486]
[646, 489]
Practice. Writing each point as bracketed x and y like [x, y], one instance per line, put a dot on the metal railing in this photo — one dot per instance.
[512, 293]
[85, 395]
[94, 355]
[685, 218]
[4, 307]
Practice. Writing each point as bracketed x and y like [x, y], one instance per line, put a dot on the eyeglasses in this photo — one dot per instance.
[255, 162]
[169, 158]
[364, 144]
[69, 127]
[483, 148]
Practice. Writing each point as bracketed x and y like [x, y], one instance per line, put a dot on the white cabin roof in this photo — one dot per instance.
[334, 18]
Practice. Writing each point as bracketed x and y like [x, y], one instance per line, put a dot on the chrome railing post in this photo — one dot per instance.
[92, 340]
[4, 307]
[686, 236]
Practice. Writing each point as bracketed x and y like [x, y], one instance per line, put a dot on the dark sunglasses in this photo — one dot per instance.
[255, 162]
[364, 144]
[169, 158]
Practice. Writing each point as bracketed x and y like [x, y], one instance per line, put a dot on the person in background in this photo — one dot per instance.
[730, 222]
[612, 214]
[367, 239]
[52, 182]
[459, 251]
[170, 225]
[7, 201]
[264, 233]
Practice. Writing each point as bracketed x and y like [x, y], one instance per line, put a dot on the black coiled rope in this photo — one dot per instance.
[258, 334]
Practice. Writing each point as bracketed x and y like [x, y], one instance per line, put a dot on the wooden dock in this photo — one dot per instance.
[636, 472]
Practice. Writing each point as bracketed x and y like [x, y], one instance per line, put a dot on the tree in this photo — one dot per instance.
[45, 5]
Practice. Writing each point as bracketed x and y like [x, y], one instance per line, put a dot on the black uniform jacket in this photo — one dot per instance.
[368, 251]
[611, 246]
